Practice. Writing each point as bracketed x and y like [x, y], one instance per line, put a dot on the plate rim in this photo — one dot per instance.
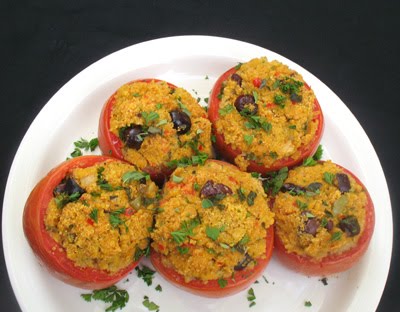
[96, 66]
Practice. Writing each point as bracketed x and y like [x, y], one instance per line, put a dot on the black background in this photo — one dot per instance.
[352, 46]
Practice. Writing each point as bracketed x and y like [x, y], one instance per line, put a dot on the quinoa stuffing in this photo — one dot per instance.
[159, 125]
[267, 112]
[320, 211]
[101, 215]
[213, 221]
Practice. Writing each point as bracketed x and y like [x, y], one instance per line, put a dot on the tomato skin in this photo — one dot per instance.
[111, 145]
[229, 153]
[49, 253]
[241, 281]
[333, 263]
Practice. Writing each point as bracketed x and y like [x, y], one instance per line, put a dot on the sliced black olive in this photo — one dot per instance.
[350, 226]
[246, 104]
[181, 120]
[294, 97]
[68, 186]
[242, 264]
[237, 78]
[211, 189]
[133, 136]
[293, 189]
[343, 182]
[311, 226]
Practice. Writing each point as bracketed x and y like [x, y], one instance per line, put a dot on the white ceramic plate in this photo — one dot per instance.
[73, 112]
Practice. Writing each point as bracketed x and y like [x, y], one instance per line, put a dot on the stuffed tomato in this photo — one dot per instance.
[213, 235]
[88, 220]
[264, 116]
[156, 126]
[324, 219]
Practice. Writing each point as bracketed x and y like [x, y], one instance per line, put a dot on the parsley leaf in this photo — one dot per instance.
[117, 297]
[226, 110]
[318, 153]
[94, 215]
[146, 274]
[328, 177]
[134, 176]
[222, 283]
[213, 232]
[150, 305]
[185, 230]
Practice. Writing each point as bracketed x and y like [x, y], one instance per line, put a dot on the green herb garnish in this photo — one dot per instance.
[134, 176]
[226, 110]
[185, 230]
[117, 297]
[328, 177]
[150, 305]
[94, 215]
[146, 274]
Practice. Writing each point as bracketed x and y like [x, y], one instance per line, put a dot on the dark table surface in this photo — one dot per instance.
[353, 47]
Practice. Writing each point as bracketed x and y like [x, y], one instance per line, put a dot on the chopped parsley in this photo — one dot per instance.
[301, 205]
[237, 67]
[146, 274]
[117, 297]
[158, 288]
[115, 219]
[94, 215]
[141, 252]
[307, 304]
[150, 305]
[226, 110]
[149, 116]
[309, 162]
[63, 198]
[206, 203]
[222, 283]
[250, 198]
[336, 236]
[274, 181]
[183, 250]
[251, 297]
[185, 230]
[280, 100]
[328, 177]
[134, 176]
[248, 138]
[87, 145]
[318, 153]
[213, 232]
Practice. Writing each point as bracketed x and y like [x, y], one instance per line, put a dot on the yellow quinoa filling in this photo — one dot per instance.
[285, 117]
[149, 105]
[321, 219]
[107, 227]
[205, 237]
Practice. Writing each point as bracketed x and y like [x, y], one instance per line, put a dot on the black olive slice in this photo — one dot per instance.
[68, 187]
[246, 104]
[350, 226]
[181, 121]
[133, 136]
[211, 189]
[235, 77]
[343, 182]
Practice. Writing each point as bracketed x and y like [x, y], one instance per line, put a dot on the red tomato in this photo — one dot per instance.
[229, 153]
[47, 250]
[110, 144]
[212, 289]
[257, 82]
[334, 263]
